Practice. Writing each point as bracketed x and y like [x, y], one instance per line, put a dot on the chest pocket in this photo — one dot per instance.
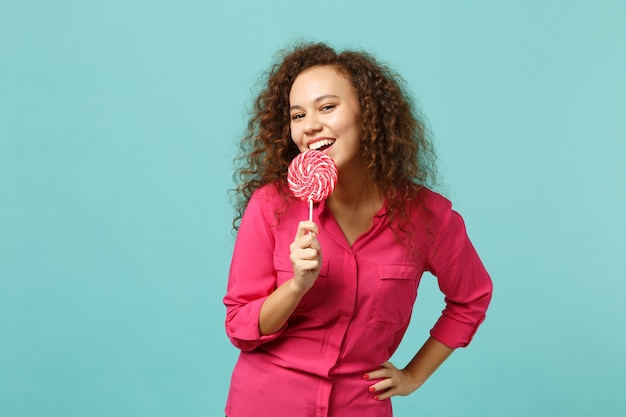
[395, 294]
[311, 304]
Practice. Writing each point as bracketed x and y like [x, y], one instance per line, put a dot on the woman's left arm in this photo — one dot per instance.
[467, 287]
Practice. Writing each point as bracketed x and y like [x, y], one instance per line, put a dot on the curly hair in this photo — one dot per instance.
[395, 147]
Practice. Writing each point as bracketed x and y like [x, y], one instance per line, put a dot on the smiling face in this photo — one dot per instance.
[325, 115]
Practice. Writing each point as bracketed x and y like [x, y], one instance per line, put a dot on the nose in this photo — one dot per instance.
[312, 124]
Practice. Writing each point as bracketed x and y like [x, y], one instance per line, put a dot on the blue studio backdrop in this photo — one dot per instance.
[119, 122]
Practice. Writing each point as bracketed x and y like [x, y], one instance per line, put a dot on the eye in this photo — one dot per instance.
[327, 107]
[297, 116]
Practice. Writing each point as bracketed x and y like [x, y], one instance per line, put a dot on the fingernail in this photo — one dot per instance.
[366, 376]
[371, 389]
[376, 397]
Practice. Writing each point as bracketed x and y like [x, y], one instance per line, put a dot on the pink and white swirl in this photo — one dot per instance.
[312, 176]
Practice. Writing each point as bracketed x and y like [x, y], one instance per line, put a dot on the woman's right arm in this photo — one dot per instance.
[306, 258]
[252, 277]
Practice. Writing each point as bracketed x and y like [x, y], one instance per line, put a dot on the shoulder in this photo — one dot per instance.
[435, 212]
[433, 200]
[271, 202]
[270, 195]
[429, 203]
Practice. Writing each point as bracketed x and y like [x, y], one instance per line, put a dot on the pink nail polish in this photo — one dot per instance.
[371, 389]
[366, 376]
[376, 397]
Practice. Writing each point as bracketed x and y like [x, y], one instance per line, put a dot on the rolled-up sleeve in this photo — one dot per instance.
[252, 278]
[463, 280]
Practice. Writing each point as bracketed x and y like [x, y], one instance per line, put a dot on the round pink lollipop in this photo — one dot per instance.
[312, 176]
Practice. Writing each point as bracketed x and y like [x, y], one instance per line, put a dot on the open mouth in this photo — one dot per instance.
[321, 145]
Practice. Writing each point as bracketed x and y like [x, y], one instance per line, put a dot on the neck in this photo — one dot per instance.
[353, 193]
[354, 203]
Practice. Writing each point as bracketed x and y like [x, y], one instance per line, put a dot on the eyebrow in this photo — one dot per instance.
[317, 100]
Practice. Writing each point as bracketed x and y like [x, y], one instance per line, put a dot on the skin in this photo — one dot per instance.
[324, 106]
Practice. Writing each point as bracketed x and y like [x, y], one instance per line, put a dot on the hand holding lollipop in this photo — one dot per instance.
[312, 176]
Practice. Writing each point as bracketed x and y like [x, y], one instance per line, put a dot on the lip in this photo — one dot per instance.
[318, 139]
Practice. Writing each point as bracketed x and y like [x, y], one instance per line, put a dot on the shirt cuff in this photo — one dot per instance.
[244, 332]
[453, 333]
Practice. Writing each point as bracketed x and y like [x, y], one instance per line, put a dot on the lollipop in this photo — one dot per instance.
[312, 176]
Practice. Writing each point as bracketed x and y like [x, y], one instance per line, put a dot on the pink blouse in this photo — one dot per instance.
[354, 316]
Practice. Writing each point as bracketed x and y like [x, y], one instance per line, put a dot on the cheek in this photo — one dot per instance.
[344, 122]
[349, 127]
[295, 132]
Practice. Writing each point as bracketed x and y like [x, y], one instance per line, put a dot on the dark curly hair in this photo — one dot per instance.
[396, 149]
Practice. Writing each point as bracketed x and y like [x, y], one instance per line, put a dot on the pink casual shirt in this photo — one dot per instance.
[354, 316]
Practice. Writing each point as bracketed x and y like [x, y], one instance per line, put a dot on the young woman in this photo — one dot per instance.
[318, 307]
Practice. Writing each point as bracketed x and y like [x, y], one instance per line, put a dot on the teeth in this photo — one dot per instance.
[320, 144]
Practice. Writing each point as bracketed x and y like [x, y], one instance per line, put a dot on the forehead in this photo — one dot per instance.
[320, 80]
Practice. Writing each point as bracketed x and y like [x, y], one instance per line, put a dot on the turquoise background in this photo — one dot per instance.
[118, 125]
